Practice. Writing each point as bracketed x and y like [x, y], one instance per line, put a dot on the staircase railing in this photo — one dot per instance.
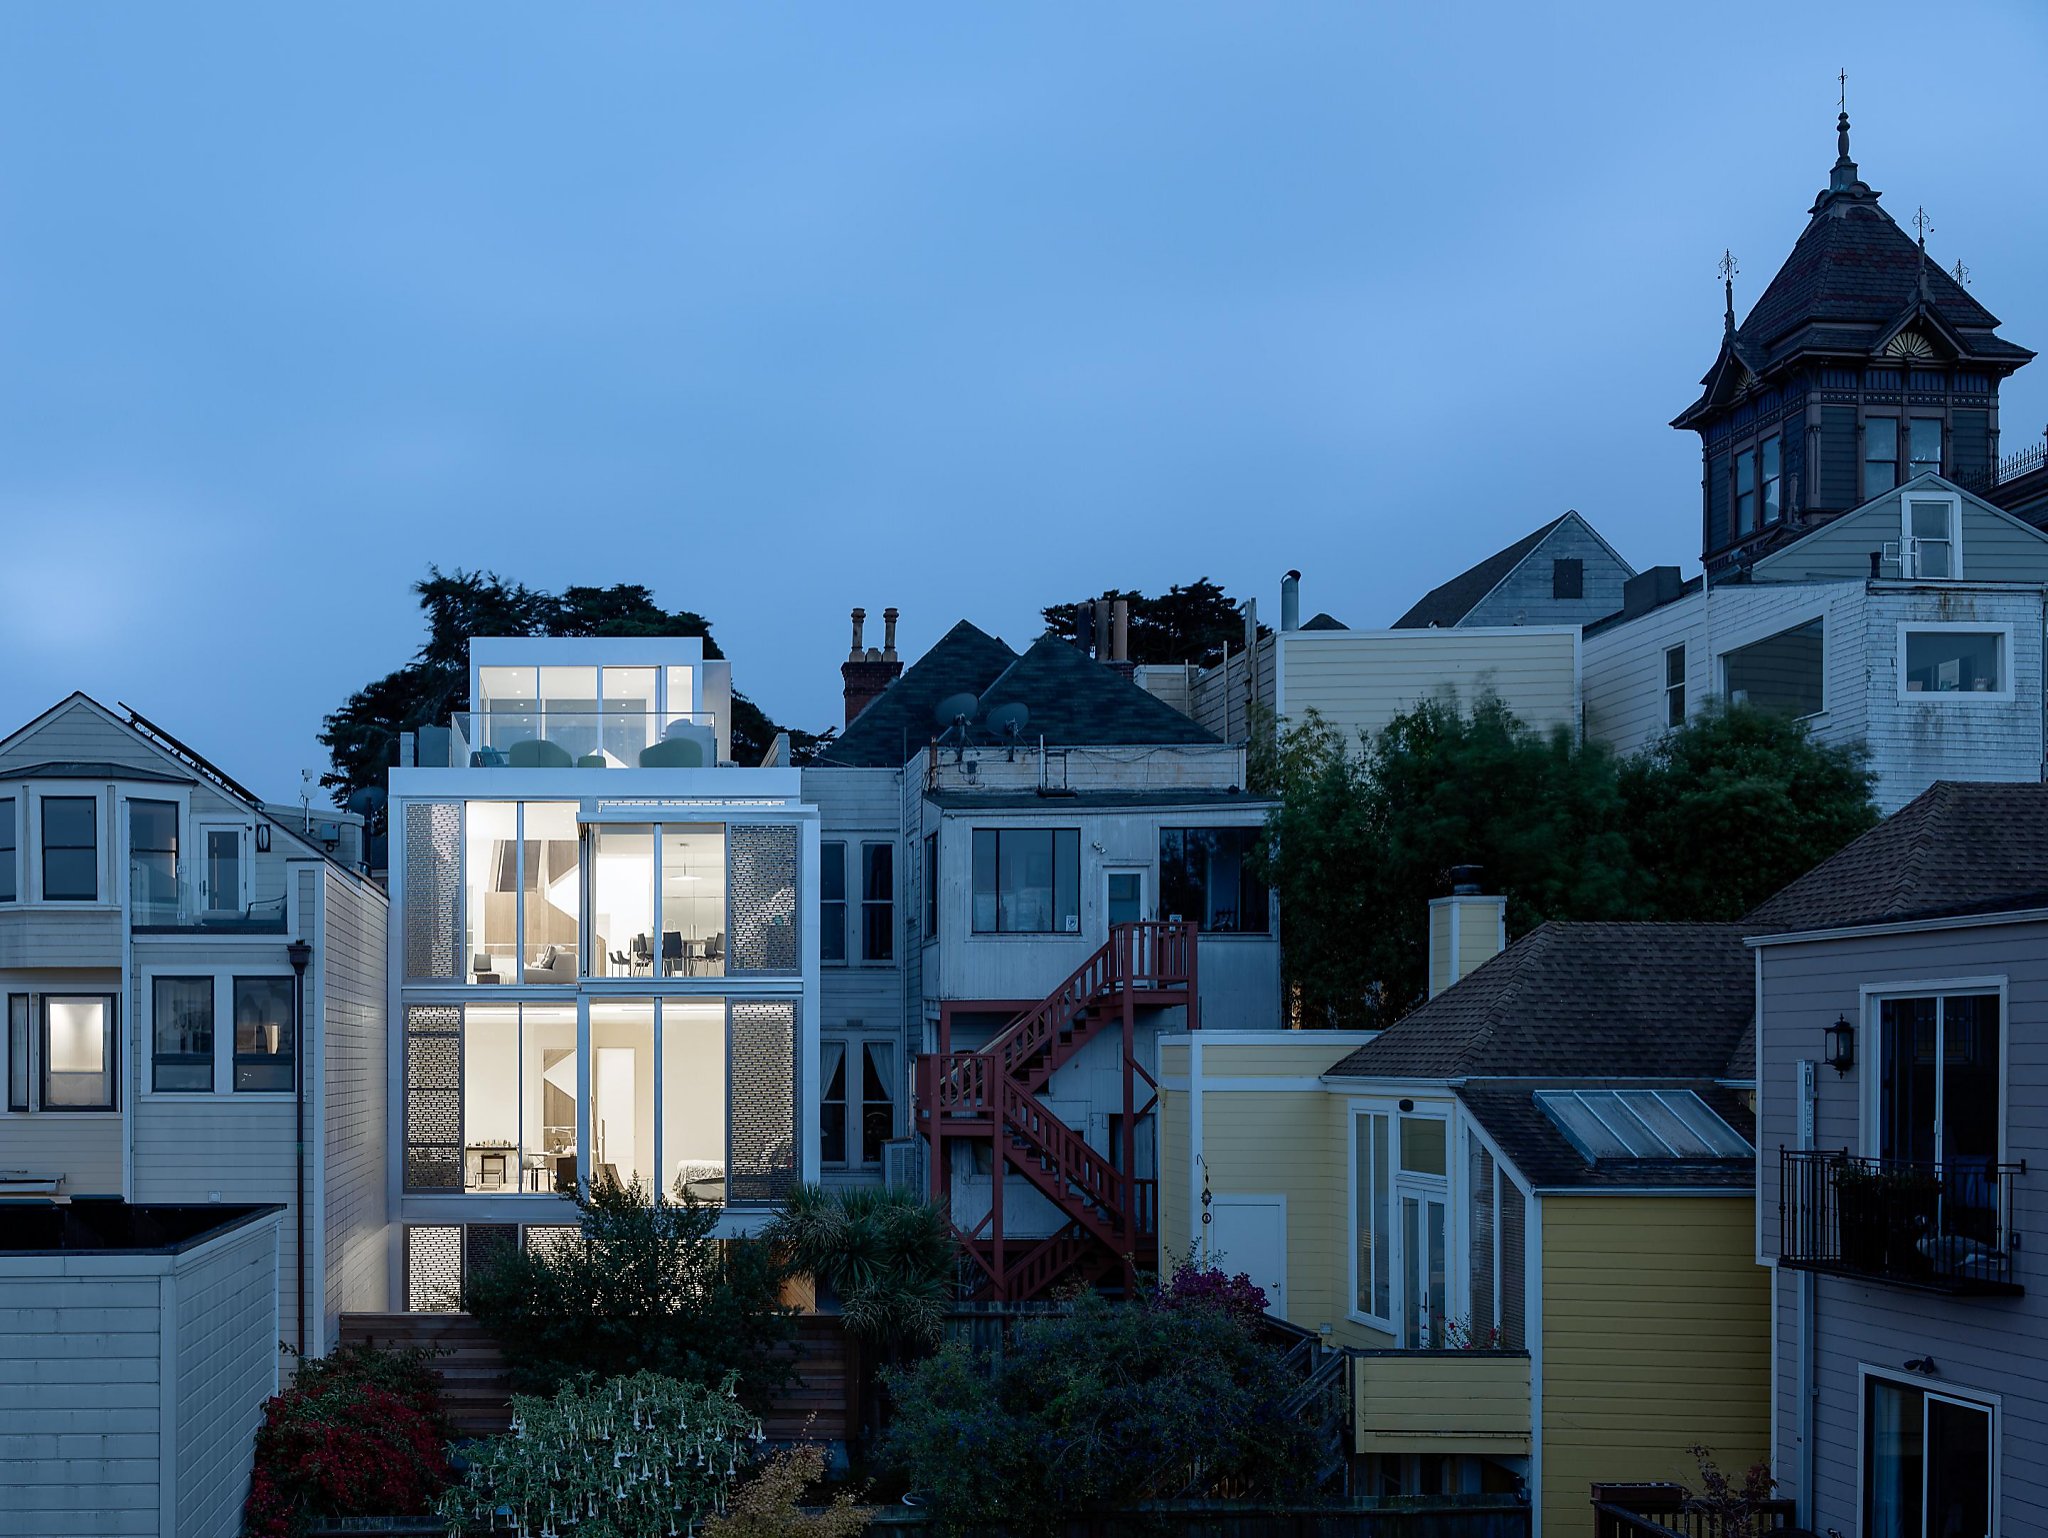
[1156, 955]
[1060, 1162]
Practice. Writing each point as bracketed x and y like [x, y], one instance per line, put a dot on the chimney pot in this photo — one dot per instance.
[860, 620]
[1104, 643]
[1122, 611]
[888, 635]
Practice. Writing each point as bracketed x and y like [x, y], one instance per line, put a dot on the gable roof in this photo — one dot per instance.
[1956, 848]
[1577, 1000]
[1449, 602]
[1073, 701]
[90, 769]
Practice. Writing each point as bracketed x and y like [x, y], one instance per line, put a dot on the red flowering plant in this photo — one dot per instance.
[359, 1433]
[1193, 1286]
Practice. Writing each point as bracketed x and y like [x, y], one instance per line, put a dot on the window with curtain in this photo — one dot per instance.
[832, 1102]
[1772, 479]
[1027, 880]
[877, 1098]
[71, 866]
[1923, 446]
[1209, 876]
[265, 1048]
[181, 1030]
[877, 902]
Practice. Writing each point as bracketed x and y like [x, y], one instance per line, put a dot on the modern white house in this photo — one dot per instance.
[603, 956]
[1032, 868]
[1913, 623]
[195, 1001]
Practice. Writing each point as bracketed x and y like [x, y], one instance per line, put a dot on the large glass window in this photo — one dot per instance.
[78, 1052]
[832, 901]
[153, 861]
[622, 1092]
[1207, 875]
[10, 883]
[551, 899]
[628, 713]
[550, 1085]
[1954, 662]
[1927, 1462]
[491, 1155]
[509, 706]
[1781, 673]
[264, 1048]
[1027, 880]
[1372, 1185]
[1880, 456]
[693, 1099]
[182, 1029]
[622, 900]
[1923, 446]
[491, 870]
[568, 710]
[692, 901]
[877, 902]
[71, 866]
[1939, 1098]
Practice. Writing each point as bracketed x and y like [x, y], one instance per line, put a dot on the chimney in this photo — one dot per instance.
[1466, 929]
[1121, 623]
[1103, 644]
[866, 673]
[1290, 601]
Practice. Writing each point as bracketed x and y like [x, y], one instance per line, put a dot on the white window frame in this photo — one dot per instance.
[858, 956]
[1427, 1188]
[846, 902]
[1981, 1399]
[2001, 696]
[1871, 996]
[1678, 688]
[14, 798]
[109, 894]
[1359, 1110]
[856, 1041]
[1909, 547]
[1772, 632]
[223, 976]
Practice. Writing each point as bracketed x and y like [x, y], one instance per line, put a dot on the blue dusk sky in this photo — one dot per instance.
[781, 309]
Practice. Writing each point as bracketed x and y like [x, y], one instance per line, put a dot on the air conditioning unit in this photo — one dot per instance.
[903, 1164]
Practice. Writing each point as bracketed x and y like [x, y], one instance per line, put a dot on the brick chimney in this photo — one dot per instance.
[867, 671]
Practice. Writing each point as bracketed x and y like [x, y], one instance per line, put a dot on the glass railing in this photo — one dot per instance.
[156, 904]
[582, 739]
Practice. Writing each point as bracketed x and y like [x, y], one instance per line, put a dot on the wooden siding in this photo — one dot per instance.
[1359, 680]
[61, 939]
[1524, 596]
[1441, 1401]
[1997, 547]
[1224, 695]
[1656, 1335]
[227, 1366]
[84, 1149]
[1989, 1345]
[353, 1035]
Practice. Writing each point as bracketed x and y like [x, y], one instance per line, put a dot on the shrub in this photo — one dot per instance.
[1193, 1286]
[1109, 1405]
[888, 1255]
[770, 1504]
[645, 1288]
[638, 1457]
[360, 1433]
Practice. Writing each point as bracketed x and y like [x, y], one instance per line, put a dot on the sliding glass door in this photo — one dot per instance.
[1927, 1463]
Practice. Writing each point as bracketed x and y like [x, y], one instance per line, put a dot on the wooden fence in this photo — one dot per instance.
[819, 1404]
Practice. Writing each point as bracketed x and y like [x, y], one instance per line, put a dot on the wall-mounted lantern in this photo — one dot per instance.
[1841, 1038]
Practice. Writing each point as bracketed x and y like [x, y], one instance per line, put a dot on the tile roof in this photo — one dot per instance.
[1604, 1000]
[1446, 604]
[1957, 847]
[1526, 1134]
[1073, 701]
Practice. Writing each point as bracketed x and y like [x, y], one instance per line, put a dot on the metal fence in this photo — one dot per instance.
[1948, 1227]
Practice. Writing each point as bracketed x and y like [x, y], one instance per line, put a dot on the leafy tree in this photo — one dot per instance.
[1095, 1410]
[1728, 808]
[361, 737]
[643, 1287]
[1362, 839]
[1184, 624]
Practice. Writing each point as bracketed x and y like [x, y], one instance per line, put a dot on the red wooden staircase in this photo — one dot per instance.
[1111, 1217]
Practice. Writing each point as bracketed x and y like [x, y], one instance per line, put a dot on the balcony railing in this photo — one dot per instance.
[1946, 1227]
[564, 739]
[1665, 1511]
[159, 904]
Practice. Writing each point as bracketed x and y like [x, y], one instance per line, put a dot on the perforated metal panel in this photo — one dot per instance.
[761, 897]
[433, 1097]
[484, 1244]
[433, 1270]
[433, 886]
[761, 1153]
[550, 1239]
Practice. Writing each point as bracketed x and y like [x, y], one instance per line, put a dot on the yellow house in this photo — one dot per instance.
[1526, 1211]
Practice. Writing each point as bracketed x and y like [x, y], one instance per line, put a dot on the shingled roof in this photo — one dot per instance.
[1507, 1109]
[1853, 280]
[1073, 701]
[1956, 848]
[1446, 604]
[1576, 1000]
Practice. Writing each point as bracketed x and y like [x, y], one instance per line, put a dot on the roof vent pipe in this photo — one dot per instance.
[1290, 601]
[1465, 881]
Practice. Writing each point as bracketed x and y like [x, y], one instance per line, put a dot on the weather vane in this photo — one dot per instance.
[1923, 224]
[1842, 78]
[1960, 273]
[1727, 266]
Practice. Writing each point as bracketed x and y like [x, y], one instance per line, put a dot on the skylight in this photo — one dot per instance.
[1642, 1124]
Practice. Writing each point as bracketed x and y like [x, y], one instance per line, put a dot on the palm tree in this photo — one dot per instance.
[887, 1254]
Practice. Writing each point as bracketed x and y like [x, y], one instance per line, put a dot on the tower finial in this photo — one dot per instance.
[1844, 178]
[1923, 224]
[1728, 268]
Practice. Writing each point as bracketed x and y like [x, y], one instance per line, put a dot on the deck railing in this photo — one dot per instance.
[1661, 1511]
[1948, 1227]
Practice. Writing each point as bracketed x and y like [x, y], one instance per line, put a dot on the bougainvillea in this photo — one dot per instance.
[638, 1457]
[358, 1434]
[1196, 1286]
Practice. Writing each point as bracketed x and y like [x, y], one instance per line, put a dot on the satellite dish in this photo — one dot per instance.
[955, 709]
[368, 798]
[1009, 719]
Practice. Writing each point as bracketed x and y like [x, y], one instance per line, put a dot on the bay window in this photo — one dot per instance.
[71, 865]
[1880, 455]
[1771, 478]
[78, 1053]
[1209, 877]
[1027, 881]
[17, 1051]
[1745, 494]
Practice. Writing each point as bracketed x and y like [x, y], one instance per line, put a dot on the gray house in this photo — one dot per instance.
[1902, 1079]
[1563, 573]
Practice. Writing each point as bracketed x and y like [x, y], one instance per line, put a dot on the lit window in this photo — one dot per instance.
[78, 1053]
[71, 866]
[1943, 661]
[1027, 880]
[1781, 673]
[182, 1027]
[264, 1045]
